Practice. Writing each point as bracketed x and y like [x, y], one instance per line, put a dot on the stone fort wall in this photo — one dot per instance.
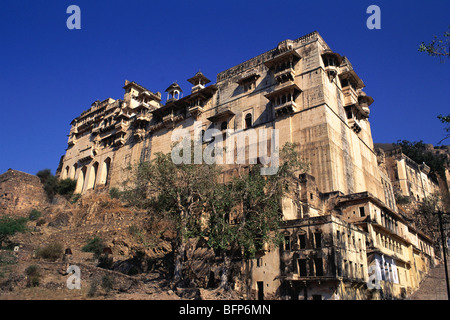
[20, 192]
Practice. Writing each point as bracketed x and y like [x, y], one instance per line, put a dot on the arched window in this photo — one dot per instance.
[66, 173]
[248, 120]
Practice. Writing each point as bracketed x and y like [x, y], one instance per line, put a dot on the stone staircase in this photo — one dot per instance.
[433, 287]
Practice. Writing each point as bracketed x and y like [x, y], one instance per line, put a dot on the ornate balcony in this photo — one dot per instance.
[285, 108]
[121, 127]
[86, 154]
[143, 117]
[221, 113]
[287, 74]
[170, 120]
[139, 134]
[119, 141]
[196, 111]
[350, 96]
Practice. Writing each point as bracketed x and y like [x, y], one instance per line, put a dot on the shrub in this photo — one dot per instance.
[33, 274]
[94, 245]
[10, 226]
[66, 187]
[105, 261]
[52, 252]
[107, 283]
[400, 199]
[34, 215]
[53, 186]
[75, 197]
[114, 193]
[92, 289]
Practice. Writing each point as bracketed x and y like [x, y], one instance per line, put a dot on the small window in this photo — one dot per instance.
[287, 242]
[248, 120]
[224, 126]
[302, 267]
[259, 262]
[362, 212]
[344, 83]
[318, 239]
[318, 264]
[302, 240]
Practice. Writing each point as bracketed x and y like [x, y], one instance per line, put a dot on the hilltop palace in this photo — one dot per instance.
[343, 231]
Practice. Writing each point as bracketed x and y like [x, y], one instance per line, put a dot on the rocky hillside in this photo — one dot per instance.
[135, 261]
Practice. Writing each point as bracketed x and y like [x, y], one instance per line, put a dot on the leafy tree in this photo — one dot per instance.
[175, 193]
[253, 201]
[49, 181]
[445, 120]
[426, 219]
[10, 226]
[198, 203]
[437, 47]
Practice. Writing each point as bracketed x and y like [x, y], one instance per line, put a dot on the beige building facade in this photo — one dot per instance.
[409, 179]
[345, 219]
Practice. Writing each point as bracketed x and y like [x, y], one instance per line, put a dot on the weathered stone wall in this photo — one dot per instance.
[20, 192]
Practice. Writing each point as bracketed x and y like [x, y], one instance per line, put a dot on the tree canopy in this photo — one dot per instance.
[237, 211]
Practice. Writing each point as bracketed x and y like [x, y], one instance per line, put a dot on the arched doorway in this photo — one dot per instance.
[105, 171]
[81, 179]
[92, 176]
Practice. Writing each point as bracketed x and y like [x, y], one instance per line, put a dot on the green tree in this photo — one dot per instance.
[49, 182]
[53, 186]
[66, 187]
[195, 198]
[426, 219]
[438, 47]
[253, 201]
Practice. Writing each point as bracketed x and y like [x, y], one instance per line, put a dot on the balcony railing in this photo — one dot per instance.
[287, 74]
[195, 111]
[287, 107]
[119, 141]
[86, 154]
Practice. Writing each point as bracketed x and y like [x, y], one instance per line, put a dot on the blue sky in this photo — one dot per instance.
[50, 74]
